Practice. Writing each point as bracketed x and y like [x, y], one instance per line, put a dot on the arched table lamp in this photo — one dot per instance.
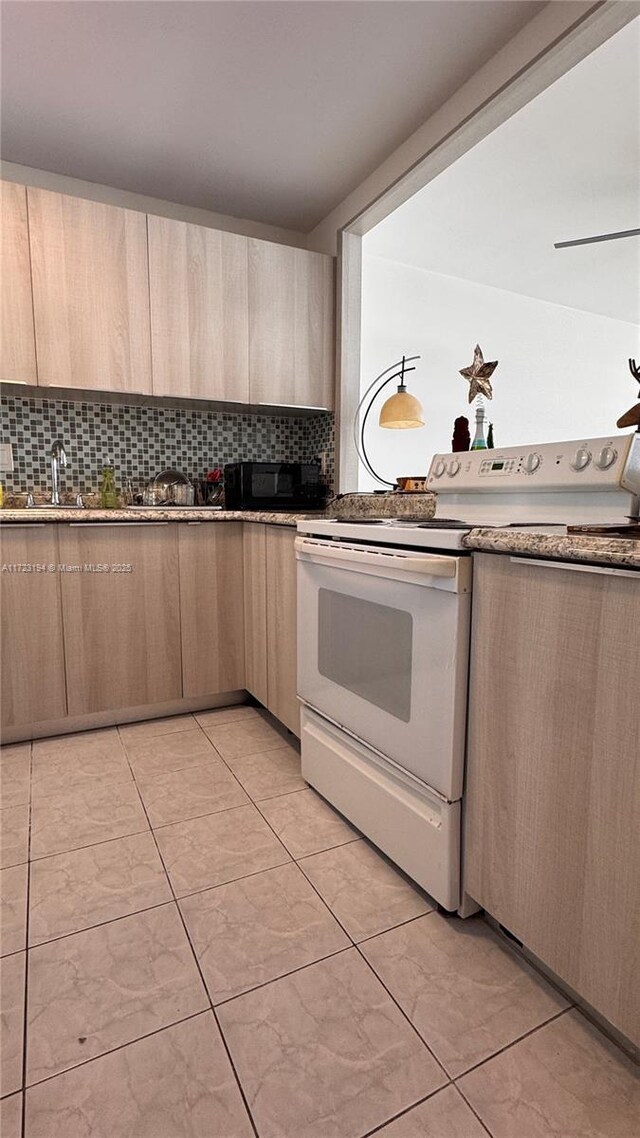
[401, 411]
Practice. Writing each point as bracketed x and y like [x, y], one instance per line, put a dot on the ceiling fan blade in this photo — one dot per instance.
[600, 237]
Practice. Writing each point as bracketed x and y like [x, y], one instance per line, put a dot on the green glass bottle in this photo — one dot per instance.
[479, 442]
[108, 492]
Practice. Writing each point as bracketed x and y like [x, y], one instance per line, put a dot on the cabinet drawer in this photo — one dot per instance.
[418, 831]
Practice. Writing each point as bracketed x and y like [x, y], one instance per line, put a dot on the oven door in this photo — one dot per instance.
[383, 649]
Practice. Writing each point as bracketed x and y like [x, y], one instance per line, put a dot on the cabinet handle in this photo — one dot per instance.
[576, 567]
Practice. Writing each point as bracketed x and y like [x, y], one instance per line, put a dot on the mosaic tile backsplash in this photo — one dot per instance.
[140, 441]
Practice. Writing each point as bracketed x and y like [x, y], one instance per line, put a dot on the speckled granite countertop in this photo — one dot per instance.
[624, 553]
[149, 514]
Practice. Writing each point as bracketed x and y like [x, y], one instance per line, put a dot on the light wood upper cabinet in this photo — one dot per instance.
[211, 608]
[121, 626]
[17, 339]
[109, 299]
[31, 644]
[553, 772]
[282, 647]
[199, 311]
[255, 609]
[291, 326]
[90, 293]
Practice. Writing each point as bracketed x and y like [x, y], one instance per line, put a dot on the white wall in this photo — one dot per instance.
[553, 41]
[93, 191]
[562, 372]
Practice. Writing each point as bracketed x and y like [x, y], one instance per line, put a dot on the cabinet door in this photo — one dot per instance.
[553, 778]
[199, 311]
[291, 337]
[211, 607]
[31, 647]
[255, 610]
[282, 647]
[90, 293]
[17, 339]
[120, 603]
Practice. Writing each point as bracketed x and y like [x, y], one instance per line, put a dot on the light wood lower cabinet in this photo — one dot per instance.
[17, 337]
[138, 614]
[553, 772]
[31, 644]
[270, 620]
[282, 626]
[121, 627]
[255, 609]
[211, 608]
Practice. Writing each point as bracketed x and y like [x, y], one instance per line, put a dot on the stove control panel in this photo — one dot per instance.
[607, 463]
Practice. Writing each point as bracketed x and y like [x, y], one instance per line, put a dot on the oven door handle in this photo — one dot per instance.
[430, 564]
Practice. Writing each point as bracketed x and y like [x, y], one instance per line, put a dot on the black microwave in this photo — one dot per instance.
[274, 486]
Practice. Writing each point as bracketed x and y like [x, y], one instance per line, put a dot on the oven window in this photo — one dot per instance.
[366, 648]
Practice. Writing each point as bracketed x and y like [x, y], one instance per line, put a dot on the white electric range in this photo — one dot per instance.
[384, 612]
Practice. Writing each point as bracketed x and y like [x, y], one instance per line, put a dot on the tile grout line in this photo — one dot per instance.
[347, 948]
[374, 974]
[393, 928]
[101, 924]
[167, 900]
[452, 1081]
[197, 964]
[114, 1050]
[23, 1121]
[472, 1108]
[352, 943]
[283, 975]
[383, 985]
[219, 756]
[513, 1042]
[407, 1110]
[325, 849]
[89, 846]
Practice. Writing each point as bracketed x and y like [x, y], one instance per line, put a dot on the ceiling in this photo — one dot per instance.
[566, 166]
[268, 111]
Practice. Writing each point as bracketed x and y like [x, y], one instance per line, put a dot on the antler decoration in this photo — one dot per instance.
[479, 375]
[631, 418]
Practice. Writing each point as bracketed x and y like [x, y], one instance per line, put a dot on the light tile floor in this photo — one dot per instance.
[195, 945]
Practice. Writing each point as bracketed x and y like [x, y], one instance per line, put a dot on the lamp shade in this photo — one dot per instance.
[401, 411]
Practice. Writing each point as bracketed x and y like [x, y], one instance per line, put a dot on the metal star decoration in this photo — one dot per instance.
[479, 375]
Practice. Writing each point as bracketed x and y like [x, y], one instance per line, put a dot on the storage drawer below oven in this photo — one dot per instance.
[415, 828]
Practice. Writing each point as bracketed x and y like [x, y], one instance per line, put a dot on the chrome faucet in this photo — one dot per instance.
[58, 459]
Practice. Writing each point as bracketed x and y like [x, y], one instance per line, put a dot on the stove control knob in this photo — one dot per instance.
[606, 458]
[581, 459]
[453, 468]
[439, 469]
[531, 463]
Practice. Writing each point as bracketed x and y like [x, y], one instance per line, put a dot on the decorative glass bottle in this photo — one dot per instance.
[479, 441]
[108, 492]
